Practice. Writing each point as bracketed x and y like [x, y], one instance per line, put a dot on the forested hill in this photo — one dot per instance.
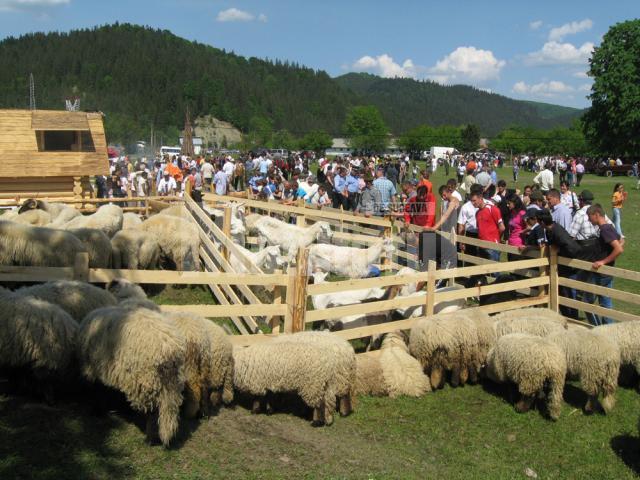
[141, 77]
[406, 103]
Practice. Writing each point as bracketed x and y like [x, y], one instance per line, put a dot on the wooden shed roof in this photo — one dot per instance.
[21, 157]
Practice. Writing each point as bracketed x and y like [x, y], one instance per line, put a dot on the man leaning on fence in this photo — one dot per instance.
[489, 223]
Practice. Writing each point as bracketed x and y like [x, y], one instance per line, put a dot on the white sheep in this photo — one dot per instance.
[535, 321]
[626, 335]
[391, 371]
[37, 337]
[135, 249]
[37, 218]
[107, 218]
[208, 363]
[140, 353]
[348, 297]
[595, 360]
[348, 261]
[97, 244]
[179, 239]
[238, 229]
[531, 363]
[267, 259]
[290, 238]
[131, 220]
[341, 355]
[75, 298]
[25, 245]
[59, 212]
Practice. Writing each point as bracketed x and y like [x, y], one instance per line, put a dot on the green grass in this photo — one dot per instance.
[470, 432]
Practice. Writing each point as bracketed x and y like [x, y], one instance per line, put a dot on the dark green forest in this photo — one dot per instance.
[141, 77]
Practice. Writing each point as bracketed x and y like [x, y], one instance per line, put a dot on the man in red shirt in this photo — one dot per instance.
[490, 224]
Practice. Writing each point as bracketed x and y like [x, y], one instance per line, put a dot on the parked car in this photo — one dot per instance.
[607, 170]
[279, 153]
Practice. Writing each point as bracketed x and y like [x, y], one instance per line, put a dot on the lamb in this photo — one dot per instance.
[142, 354]
[348, 261]
[59, 212]
[342, 356]
[107, 218]
[238, 229]
[296, 367]
[75, 298]
[38, 218]
[626, 335]
[289, 237]
[445, 343]
[25, 245]
[208, 364]
[595, 360]
[440, 307]
[131, 220]
[391, 371]
[135, 249]
[337, 299]
[38, 337]
[535, 321]
[267, 259]
[532, 363]
[97, 245]
[178, 238]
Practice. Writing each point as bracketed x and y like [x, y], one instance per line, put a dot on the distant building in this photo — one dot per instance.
[198, 145]
[340, 148]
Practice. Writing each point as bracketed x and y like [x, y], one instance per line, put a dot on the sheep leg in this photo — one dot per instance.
[591, 405]
[345, 405]
[437, 378]
[464, 375]
[473, 375]
[455, 376]
[269, 403]
[328, 413]
[215, 398]
[525, 403]
[191, 405]
[257, 405]
[317, 417]
[152, 433]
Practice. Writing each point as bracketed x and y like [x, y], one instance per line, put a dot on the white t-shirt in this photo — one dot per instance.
[467, 217]
[457, 195]
[166, 186]
[207, 170]
[141, 186]
[228, 169]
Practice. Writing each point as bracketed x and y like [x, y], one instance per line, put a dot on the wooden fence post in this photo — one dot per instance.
[431, 287]
[388, 233]
[544, 271]
[274, 323]
[341, 219]
[290, 299]
[300, 299]
[300, 220]
[81, 267]
[553, 278]
[226, 229]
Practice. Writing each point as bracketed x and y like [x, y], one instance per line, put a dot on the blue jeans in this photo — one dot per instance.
[492, 254]
[605, 302]
[616, 220]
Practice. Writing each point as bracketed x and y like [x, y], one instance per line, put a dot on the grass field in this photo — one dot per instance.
[470, 432]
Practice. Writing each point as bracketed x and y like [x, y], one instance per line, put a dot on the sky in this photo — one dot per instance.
[524, 50]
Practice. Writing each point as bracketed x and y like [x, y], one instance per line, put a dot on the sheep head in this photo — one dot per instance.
[387, 246]
[31, 204]
[319, 277]
[325, 229]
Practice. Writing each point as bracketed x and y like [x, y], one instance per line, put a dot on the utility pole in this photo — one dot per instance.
[32, 93]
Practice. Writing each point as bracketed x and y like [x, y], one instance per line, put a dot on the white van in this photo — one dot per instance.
[164, 150]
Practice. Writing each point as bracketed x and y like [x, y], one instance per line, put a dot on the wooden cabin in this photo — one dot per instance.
[50, 153]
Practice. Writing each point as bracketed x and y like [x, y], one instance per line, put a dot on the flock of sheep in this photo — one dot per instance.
[170, 365]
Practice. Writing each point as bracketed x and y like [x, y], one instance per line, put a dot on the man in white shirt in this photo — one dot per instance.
[220, 180]
[311, 188]
[167, 185]
[544, 179]
[228, 168]
[207, 174]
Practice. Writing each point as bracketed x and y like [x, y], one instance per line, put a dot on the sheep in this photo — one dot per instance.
[38, 218]
[337, 299]
[131, 220]
[238, 229]
[97, 245]
[626, 335]
[289, 237]
[135, 249]
[348, 261]
[267, 259]
[533, 364]
[25, 245]
[59, 212]
[391, 371]
[440, 307]
[178, 238]
[130, 296]
[37, 336]
[274, 367]
[142, 354]
[75, 298]
[208, 363]
[534, 321]
[445, 343]
[107, 218]
[250, 222]
[595, 360]
[342, 356]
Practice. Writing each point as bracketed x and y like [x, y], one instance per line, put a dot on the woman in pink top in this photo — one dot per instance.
[517, 224]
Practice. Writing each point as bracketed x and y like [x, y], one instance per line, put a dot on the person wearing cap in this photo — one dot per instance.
[167, 185]
[310, 187]
[370, 199]
[220, 180]
[581, 229]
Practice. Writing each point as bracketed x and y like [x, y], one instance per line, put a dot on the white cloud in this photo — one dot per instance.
[237, 15]
[585, 87]
[580, 75]
[543, 89]
[555, 53]
[467, 64]
[17, 5]
[385, 66]
[558, 33]
[535, 25]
